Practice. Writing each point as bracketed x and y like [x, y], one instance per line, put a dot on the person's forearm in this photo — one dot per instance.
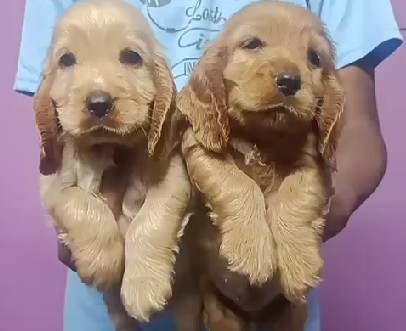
[361, 154]
[361, 164]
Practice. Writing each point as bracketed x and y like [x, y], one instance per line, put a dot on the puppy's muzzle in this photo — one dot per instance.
[288, 83]
[99, 103]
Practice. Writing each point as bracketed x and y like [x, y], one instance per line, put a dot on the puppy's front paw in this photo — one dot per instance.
[300, 267]
[247, 241]
[249, 254]
[146, 289]
[100, 263]
[91, 233]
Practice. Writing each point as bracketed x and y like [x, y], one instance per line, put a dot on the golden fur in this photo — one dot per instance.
[130, 153]
[263, 163]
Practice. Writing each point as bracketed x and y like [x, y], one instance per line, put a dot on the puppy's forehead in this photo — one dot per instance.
[108, 20]
[274, 19]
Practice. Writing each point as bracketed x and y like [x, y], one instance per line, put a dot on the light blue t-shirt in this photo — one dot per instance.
[361, 29]
[358, 27]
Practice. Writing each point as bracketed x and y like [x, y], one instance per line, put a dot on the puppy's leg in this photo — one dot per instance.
[293, 318]
[186, 302]
[151, 242]
[296, 219]
[217, 317]
[239, 211]
[92, 235]
[87, 226]
[112, 298]
[117, 313]
[186, 305]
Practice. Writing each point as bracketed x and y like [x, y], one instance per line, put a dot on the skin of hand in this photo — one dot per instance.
[361, 154]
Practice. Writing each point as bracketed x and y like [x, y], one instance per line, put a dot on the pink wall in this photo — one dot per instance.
[31, 279]
[365, 283]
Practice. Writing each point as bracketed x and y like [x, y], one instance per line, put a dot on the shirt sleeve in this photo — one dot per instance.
[361, 29]
[38, 23]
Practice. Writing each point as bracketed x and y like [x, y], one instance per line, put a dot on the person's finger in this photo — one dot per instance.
[65, 256]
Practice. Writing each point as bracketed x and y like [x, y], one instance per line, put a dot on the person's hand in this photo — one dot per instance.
[338, 216]
[65, 256]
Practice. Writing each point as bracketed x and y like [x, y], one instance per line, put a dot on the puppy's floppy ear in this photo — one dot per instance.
[46, 122]
[204, 101]
[329, 117]
[161, 136]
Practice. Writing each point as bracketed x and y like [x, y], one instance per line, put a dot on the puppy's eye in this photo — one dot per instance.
[67, 60]
[127, 56]
[253, 43]
[314, 58]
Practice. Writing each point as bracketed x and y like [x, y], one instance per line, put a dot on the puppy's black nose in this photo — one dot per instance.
[99, 103]
[288, 83]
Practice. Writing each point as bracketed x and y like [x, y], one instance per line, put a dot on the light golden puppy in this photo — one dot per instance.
[106, 114]
[264, 104]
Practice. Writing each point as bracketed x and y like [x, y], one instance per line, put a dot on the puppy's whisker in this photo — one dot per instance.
[144, 132]
[59, 125]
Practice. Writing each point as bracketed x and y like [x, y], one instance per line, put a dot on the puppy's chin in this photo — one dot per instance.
[284, 116]
[272, 119]
[102, 136]
[109, 126]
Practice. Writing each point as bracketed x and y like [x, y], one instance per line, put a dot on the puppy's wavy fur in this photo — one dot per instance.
[262, 160]
[101, 48]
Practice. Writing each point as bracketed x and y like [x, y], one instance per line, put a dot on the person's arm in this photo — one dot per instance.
[365, 33]
[361, 154]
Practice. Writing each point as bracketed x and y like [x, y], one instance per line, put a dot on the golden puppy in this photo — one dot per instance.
[264, 105]
[106, 114]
